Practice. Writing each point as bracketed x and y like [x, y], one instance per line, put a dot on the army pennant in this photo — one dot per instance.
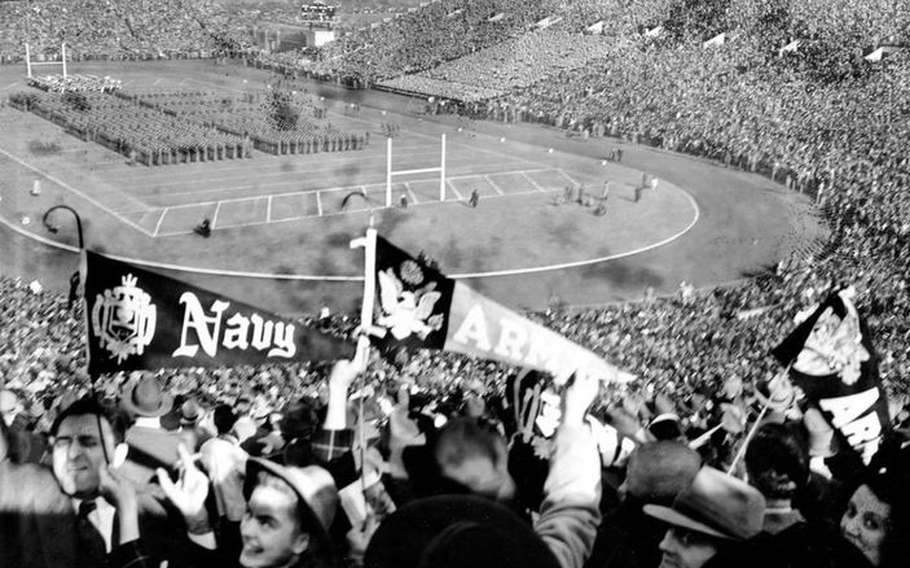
[832, 360]
[419, 307]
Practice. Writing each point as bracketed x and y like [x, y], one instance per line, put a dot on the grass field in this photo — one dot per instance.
[284, 215]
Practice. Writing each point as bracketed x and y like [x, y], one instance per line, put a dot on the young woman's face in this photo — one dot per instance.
[865, 523]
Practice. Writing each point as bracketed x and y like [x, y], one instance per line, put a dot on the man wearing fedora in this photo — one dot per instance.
[192, 433]
[113, 522]
[657, 472]
[712, 516]
[150, 445]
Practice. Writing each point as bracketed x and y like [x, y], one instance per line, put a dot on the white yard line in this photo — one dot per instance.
[215, 216]
[568, 177]
[531, 181]
[414, 199]
[158, 224]
[454, 190]
[493, 185]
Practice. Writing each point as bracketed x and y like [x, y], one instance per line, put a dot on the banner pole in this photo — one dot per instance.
[388, 175]
[442, 172]
[366, 322]
[369, 286]
[742, 449]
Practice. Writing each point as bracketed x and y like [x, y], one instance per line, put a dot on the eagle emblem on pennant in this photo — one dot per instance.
[408, 312]
[835, 346]
[124, 319]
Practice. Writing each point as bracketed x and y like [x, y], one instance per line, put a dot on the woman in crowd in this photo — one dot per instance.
[876, 520]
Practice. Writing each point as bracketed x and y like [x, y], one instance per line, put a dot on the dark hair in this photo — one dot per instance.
[890, 487]
[89, 406]
[783, 450]
[466, 437]
[224, 418]
[301, 419]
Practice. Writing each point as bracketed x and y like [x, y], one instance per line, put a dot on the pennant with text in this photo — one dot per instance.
[832, 360]
[420, 307]
[138, 319]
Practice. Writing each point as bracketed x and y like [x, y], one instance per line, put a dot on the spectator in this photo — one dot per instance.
[150, 445]
[708, 518]
[876, 519]
[656, 473]
[289, 512]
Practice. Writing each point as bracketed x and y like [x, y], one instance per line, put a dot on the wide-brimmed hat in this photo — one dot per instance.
[190, 411]
[313, 485]
[456, 530]
[144, 396]
[715, 504]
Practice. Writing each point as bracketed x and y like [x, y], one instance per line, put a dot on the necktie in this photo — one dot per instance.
[92, 550]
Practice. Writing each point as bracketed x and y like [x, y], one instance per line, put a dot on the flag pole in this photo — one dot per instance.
[742, 449]
[764, 409]
[368, 243]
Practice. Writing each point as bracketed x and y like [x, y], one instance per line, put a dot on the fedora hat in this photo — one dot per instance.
[190, 411]
[715, 504]
[451, 531]
[143, 396]
[314, 486]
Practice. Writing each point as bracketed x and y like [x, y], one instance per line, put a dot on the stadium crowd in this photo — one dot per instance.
[365, 462]
[514, 63]
[119, 30]
[450, 461]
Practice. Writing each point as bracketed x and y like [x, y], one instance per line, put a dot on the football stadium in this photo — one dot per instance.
[580, 284]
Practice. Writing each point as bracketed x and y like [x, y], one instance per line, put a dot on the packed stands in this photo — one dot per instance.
[118, 29]
[495, 71]
[437, 32]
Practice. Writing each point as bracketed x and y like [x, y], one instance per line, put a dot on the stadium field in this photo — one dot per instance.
[295, 214]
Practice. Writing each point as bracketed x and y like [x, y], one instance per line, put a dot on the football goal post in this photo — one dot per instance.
[29, 63]
[390, 173]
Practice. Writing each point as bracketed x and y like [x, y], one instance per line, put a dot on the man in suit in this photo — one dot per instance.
[110, 514]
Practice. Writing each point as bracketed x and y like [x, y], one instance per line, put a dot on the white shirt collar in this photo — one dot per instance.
[102, 517]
